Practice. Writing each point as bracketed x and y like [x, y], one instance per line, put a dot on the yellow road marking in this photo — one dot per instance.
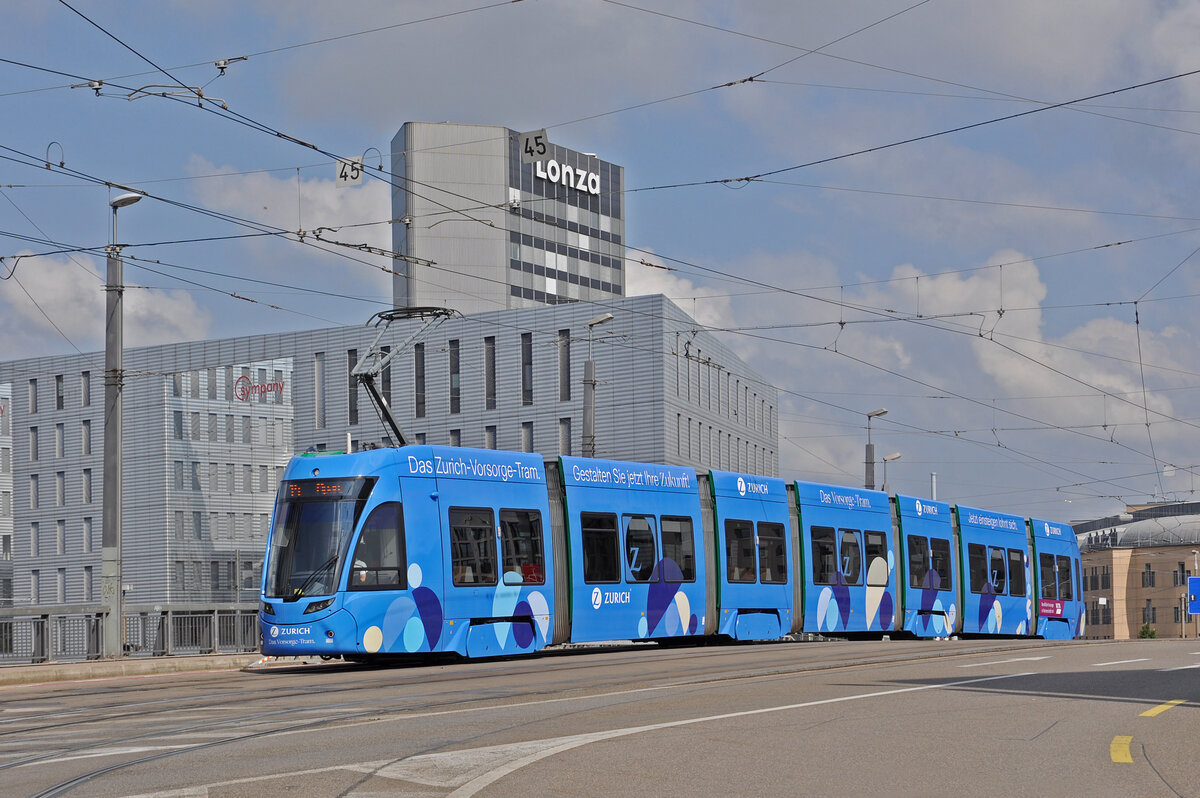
[1161, 708]
[1118, 749]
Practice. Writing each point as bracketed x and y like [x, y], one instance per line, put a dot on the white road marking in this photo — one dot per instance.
[1181, 668]
[470, 770]
[137, 749]
[1119, 662]
[1003, 662]
[561, 744]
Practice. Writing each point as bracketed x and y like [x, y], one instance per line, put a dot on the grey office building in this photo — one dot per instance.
[481, 230]
[210, 424]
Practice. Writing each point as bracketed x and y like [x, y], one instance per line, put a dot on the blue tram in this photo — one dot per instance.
[483, 553]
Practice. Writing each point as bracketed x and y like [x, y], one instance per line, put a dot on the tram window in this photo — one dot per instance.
[739, 551]
[875, 547]
[997, 569]
[977, 562]
[851, 557]
[1016, 573]
[521, 542]
[824, 554]
[1064, 578]
[379, 560]
[939, 549]
[918, 561]
[472, 546]
[601, 558]
[1049, 576]
[640, 551]
[772, 554]
[679, 547]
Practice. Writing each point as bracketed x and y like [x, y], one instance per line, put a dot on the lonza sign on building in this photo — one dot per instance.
[578, 179]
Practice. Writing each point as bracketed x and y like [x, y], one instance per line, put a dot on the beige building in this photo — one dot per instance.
[1135, 571]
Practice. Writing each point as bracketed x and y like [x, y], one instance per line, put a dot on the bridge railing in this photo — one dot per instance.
[70, 633]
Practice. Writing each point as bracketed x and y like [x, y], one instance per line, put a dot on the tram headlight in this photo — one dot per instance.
[317, 606]
[268, 609]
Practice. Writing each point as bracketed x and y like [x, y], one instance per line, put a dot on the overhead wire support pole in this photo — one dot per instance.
[376, 359]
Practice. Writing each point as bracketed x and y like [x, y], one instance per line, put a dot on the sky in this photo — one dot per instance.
[979, 216]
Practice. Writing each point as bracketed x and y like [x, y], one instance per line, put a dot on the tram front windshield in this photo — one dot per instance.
[314, 521]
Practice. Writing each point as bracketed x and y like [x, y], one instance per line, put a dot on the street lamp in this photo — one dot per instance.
[887, 459]
[589, 390]
[869, 460]
[111, 588]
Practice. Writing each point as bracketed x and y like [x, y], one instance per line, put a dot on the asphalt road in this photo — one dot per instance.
[928, 718]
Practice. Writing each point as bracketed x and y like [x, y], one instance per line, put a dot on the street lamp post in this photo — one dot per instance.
[887, 459]
[589, 390]
[869, 460]
[110, 558]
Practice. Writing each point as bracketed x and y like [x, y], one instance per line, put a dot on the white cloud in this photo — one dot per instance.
[56, 292]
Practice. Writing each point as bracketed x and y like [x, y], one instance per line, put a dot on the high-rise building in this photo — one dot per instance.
[479, 228]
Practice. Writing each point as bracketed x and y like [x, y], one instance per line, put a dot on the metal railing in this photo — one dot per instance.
[76, 633]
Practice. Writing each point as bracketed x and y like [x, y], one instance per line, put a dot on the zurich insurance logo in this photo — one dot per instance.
[741, 487]
[274, 631]
[920, 508]
[596, 598]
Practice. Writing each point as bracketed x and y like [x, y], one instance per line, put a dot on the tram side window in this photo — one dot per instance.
[824, 554]
[379, 557]
[977, 564]
[772, 554]
[918, 561]
[875, 546]
[851, 557]
[997, 569]
[1049, 576]
[1064, 579]
[739, 551]
[678, 547]
[940, 555]
[521, 542]
[1016, 573]
[601, 551]
[473, 546]
[640, 551]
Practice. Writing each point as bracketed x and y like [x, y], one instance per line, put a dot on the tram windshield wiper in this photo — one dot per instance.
[325, 567]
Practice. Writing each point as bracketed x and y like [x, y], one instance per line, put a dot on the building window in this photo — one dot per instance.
[88, 589]
[33, 443]
[85, 436]
[456, 437]
[489, 436]
[60, 536]
[526, 369]
[60, 489]
[59, 393]
[87, 486]
[489, 373]
[419, 380]
[455, 377]
[319, 390]
[351, 387]
[527, 436]
[1148, 577]
[385, 378]
[35, 500]
[33, 404]
[35, 542]
[564, 436]
[177, 425]
[212, 382]
[85, 389]
[59, 435]
[89, 545]
[564, 365]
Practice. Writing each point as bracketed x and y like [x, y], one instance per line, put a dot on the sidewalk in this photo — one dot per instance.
[47, 672]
